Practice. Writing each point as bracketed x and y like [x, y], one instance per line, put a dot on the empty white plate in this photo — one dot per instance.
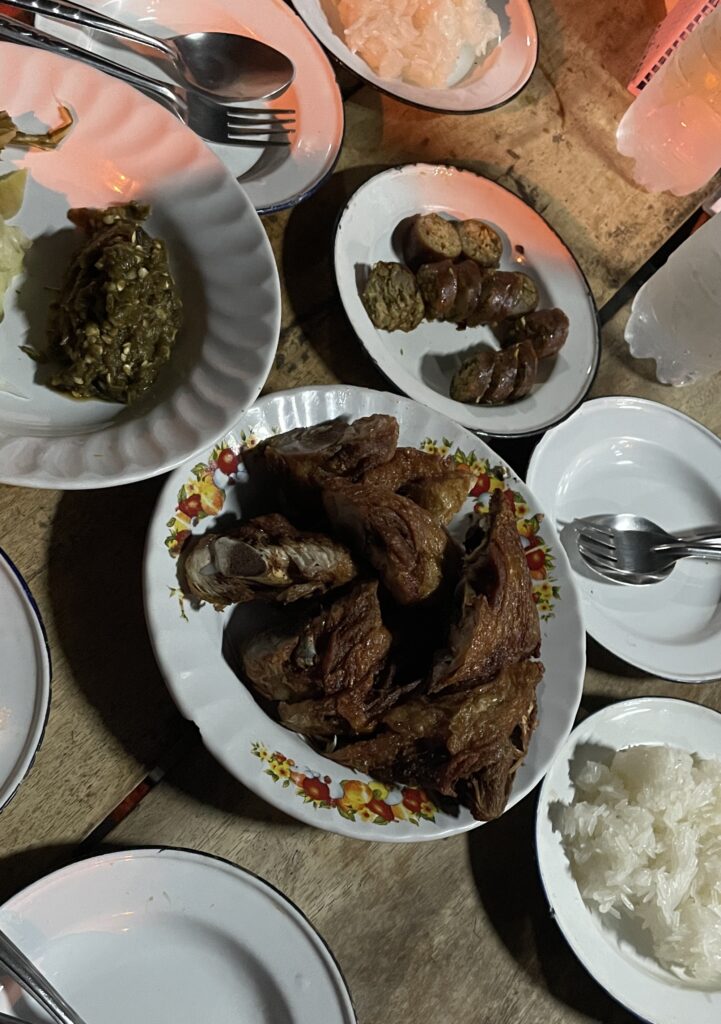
[25, 681]
[495, 81]
[608, 953]
[630, 455]
[167, 936]
[422, 362]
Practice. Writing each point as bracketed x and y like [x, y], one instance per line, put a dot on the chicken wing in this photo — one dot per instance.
[262, 557]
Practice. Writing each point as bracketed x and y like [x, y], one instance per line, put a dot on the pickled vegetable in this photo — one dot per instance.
[118, 314]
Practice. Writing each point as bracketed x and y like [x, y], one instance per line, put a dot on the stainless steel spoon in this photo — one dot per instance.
[630, 549]
[229, 66]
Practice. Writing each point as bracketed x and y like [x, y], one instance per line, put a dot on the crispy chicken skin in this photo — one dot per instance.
[340, 646]
[406, 545]
[466, 744]
[495, 619]
[436, 483]
[291, 467]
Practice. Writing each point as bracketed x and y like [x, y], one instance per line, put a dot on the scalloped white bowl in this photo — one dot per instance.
[124, 146]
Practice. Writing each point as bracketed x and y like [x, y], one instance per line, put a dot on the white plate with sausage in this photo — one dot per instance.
[422, 362]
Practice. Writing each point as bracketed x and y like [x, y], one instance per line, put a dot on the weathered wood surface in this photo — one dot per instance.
[446, 931]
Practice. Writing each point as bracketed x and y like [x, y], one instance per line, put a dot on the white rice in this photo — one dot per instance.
[421, 41]
[644, 839]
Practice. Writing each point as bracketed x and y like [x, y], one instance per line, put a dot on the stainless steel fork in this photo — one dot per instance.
[35, 983]
[211, 119]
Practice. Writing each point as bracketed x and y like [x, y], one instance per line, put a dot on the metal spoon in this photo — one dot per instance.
[630, 549]
[229, 66]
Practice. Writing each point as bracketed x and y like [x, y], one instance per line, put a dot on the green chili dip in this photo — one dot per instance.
[118, 313]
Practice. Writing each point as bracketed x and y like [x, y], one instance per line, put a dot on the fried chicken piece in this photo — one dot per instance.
[335, 655]
[405, 544]
[465, 745]
[495, 618]
[264, 557]
[319, 717]
[303, 459]
[436, 483]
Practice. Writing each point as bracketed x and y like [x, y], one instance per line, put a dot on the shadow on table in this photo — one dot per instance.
[505, 871]
[95, 585]
[308, 242]
[26, 866]
[203, 778]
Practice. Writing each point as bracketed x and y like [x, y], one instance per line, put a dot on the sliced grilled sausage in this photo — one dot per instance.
[438, 284]
[431, 238]
[471, 380]
[505, 294]
[503, 379]
[547, 329]
[526, 369]
[392, 299]
[480, 243]
[470, 288]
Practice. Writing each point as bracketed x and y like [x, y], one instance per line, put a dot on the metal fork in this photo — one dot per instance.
[211, 119]
[35, 983]
[630, 549]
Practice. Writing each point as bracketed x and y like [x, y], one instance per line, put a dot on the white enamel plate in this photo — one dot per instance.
[277, 176]
[277, 764]
[166, 935]
[121, 147]
[493, 82]
[25, 682]
[629, 455]
[612, 954]
[422, 362]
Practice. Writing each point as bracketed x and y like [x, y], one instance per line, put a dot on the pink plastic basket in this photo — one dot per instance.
[677, 24]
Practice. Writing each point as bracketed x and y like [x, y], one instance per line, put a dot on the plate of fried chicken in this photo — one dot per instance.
[366, 614]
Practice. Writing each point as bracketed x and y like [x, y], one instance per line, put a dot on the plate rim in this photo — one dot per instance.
[37, 732]
[594, 310]
[541, 827]
[630, 402]
[156, 631]
[203, 858]
[386, 90]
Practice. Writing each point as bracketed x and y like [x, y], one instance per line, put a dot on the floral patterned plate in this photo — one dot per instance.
[278, 764]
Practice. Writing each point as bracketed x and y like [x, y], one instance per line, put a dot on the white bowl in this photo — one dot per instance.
[607, 953]
[618, 455]
[124, 146]
[26, 676]
[173, 935]
[500, 77]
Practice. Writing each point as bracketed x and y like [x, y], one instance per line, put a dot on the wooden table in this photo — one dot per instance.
[452, 930]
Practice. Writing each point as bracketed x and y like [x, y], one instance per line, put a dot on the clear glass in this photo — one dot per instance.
[672, 130]
[676, 315]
